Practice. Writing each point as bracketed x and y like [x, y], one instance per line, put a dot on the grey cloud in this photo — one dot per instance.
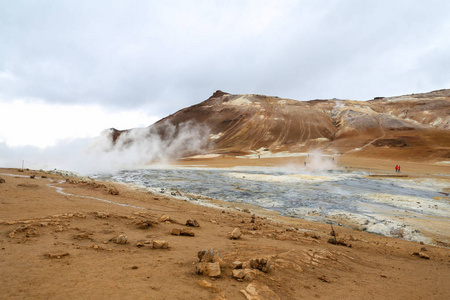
[165, 55]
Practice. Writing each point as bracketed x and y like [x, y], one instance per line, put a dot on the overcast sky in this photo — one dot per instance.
[72, 68]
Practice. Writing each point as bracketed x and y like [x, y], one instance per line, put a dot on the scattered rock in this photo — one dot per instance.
[83, 236]
[101, 215]
[211, 269]
[43, 176]
[235, 234]
[94, 246]
[145, 224]
[206, 255]
[32, 176]
[2, 180]
[134, 267]
[421, 255]
[121, 239]
[140, 244]
[114, 191]
[192, 223]
[259, 291]
[57, 255]
[324, 279]
[237, 264]
[336, 241]
[160, 244]
[187, 232]
[176, 231]
[209, 285]
[262, 264]
[243, 274]
[165, 218]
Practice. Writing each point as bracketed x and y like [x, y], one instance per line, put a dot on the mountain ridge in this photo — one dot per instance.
[415, 125]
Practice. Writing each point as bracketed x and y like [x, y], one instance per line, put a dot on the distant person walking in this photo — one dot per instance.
[396, 168]
[399, 168]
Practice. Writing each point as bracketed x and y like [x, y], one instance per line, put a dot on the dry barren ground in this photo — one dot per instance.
[78, 245]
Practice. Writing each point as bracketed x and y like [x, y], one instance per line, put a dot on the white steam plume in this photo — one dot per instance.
[134, 148]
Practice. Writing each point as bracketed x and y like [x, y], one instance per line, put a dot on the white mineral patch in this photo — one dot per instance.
[215, 136]
[241, 101]
[282, 102]
[284, 178]
[436, 122]
[424, 205]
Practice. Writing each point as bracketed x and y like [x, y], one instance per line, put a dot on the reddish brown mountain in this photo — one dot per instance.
[413, 126]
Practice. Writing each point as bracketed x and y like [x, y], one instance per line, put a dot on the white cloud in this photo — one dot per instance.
[41, 124]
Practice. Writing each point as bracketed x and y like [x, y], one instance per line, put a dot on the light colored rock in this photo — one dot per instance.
[237, 264]
[192, 223]
[56, 255]
[187, 232]
[421, 255]
[121, 239]
[159, 244]
[235, 234]
[243, 274]
[208, 285]
[259, 291]
[176, 231]
[165, 218]
[211, 269]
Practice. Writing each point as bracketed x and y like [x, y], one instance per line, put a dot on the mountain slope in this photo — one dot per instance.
[416, 125]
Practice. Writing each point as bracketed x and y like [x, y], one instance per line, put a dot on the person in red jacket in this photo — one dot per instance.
[396, 168]
[399, 168]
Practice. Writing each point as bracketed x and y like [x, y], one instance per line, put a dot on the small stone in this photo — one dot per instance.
[211, 269]
[192, 223]
[421, 255]
[237, 264]
[187, 232]
[262, 264]
[121, 239]
[208, 285]
[145, 224]
[165, 218]
[114, 191]
[32, 176]
[243, 274]
[235, 234]
[176, 231]
[134, 267]
[256, 291]
[159, 244]
[324, 278]
[57, 255]
[139, 244]
[206, 255]
[2, 180]
[238, 273]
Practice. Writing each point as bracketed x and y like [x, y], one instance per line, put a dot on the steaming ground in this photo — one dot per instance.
[397, 207]
[86, 155]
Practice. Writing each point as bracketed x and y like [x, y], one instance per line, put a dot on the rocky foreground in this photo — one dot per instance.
[83, 239]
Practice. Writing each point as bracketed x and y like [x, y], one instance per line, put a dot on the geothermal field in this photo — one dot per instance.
[389, 204]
